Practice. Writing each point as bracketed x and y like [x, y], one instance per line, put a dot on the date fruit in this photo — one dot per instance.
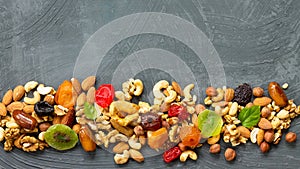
[24, 120]
[86, 141]
[277, 94]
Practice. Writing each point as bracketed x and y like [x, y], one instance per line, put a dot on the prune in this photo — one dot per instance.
[43, 108]
[243, 94]
[151, 121]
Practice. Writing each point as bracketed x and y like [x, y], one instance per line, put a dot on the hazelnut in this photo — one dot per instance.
[250, 104]
[44, 126]
[199, 108]
[258, 91]
[215, 148]
[230, 154]
[265, 112]
[290, 137]
[211, 91]
[264, 147]
[269, 136]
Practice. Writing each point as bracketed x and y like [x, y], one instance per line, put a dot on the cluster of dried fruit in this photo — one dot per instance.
[175, 124]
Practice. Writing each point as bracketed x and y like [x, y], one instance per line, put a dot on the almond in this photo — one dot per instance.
[262, 101]
[177, 88]
[69, 118]
[76, 85]
[244, 131]
[8, 97]
[88, 83]
[28, 109]
[264, 124]
[90, 96]
[136, 155]
[15, 106]
[81, 99]
[120, 147]
[260, 136]
[3, 110]
[18, 93]
[229, 94]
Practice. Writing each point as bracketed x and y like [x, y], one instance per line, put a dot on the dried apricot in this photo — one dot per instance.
[190, 136]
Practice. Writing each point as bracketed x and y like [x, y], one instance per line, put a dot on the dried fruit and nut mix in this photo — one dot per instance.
[35, 116]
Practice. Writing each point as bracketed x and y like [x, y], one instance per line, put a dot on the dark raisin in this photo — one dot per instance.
[151, 121]
[43, 108]
[243, 94]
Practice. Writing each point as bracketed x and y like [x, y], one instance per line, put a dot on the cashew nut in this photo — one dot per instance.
[187, 92]
[134, 144]
[138, 87]
[188, 153]
[253, 135]
[172, 95]
[220, 95]
[120, 95]
[1, 134]
[45, 90]
[122, 158]
[118, 137]
[157, 89]
[36, 98]
[30, 85]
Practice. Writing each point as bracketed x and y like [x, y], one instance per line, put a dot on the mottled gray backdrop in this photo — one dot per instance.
[257, 41]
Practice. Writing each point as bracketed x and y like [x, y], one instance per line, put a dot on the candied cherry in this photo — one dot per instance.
[179, 111]
[105, 95]
[171, 154]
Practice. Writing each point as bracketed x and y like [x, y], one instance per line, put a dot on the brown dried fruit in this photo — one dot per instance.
[211, 91]
[8, 97]
[215, 148]
[230, 154]
[18, 93]
[291, 137]
[229, 94]
[69, 118]
[122, 129]
[57, 119]
[3, 110]
[262, 101]
[264, 124]
[86, 140]
[277, 94]
[88, 83]
[264, 147]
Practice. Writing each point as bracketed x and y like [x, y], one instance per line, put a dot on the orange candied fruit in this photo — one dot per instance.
[190, 136]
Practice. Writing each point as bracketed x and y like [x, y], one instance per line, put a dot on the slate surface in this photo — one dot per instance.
[257, 41]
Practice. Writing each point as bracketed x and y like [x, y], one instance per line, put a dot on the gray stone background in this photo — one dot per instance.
[258, 42]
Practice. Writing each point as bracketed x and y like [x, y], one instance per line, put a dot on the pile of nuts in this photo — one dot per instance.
[126, 128]
[277, 113]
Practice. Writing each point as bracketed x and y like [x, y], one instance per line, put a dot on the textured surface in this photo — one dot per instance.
[257, 41]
